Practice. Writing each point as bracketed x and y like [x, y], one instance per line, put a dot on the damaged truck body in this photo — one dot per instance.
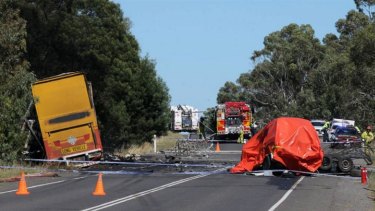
[63, 121]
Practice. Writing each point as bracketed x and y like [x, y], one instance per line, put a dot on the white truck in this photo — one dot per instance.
[184, 118]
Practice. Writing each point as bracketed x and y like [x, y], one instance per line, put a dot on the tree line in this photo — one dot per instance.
[41, 38]
[297, 75]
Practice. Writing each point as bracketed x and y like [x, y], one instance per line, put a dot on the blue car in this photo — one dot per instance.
[346, 136]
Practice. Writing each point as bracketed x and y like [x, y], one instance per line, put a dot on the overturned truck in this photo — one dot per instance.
[62, 122]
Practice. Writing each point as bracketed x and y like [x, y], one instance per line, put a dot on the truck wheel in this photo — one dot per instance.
[345, 164]
[267, 162]
[326, 164]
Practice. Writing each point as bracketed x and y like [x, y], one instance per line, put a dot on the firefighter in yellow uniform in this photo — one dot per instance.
[325, 128]
[240, 138]
[367, 135]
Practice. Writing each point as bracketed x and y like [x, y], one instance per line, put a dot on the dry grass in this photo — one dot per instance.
[14, 172]
[167, 142]
[7, 173]
[163, 143]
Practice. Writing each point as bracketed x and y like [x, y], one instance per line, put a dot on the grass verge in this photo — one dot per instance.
[163, 143]
[16, 171]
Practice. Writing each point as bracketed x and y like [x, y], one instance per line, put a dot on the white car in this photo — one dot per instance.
[318, 125]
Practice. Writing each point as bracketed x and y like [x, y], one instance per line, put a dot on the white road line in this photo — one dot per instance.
[80, 177]
[143, 193]
[41, 185]
[35, 186]
[286, 195]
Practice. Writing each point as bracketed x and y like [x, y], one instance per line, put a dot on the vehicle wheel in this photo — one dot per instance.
[326, 164]
[267, 162]
[345, 164]
[355, 172]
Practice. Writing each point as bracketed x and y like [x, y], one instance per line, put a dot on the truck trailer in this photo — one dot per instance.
[185, 118]
[66, 118]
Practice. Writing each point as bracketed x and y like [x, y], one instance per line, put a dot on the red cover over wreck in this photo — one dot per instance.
[293, 142]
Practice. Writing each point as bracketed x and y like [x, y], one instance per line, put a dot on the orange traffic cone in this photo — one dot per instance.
[22, 187]
[217, 147]
[99, 189]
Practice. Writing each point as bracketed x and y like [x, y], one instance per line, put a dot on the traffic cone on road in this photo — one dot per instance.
[22, 187]
[99, 189]
[217, 147]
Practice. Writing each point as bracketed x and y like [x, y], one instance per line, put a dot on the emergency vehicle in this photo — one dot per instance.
[231, 118]
[185, 118]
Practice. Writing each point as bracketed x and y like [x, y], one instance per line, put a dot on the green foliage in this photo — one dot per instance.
[230, 92]
[278, 82]
[366, 7]
[296, 75]
[209, 122]
[92, 36]
[15, 82]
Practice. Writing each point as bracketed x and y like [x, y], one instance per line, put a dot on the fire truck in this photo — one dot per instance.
[184, 118]
[64, 124]
[231, 118]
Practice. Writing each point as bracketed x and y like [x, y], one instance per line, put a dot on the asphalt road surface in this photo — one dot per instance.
[211, 189]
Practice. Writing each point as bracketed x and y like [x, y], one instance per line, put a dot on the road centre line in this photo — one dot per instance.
[143, 193]
[286, 194]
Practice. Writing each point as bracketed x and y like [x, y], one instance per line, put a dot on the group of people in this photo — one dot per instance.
[367, 135]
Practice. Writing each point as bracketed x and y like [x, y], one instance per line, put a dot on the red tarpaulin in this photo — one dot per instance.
[293, 142]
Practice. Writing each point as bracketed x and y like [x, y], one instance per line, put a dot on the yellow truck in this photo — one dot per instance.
[66, 116]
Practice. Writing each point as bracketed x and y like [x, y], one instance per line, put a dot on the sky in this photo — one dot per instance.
[198, 45]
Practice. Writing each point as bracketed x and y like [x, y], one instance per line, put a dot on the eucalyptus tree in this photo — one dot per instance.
[278, 83]
[15, 80]
[94, 37]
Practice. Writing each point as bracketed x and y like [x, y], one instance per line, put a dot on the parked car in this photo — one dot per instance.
[335, 123]
[346, 136]
[318, 125]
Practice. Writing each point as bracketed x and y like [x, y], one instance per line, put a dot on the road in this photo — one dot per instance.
[214, 189]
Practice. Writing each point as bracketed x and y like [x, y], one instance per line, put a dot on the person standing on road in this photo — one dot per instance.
[325, 131]
[367, 135]
[240, 138]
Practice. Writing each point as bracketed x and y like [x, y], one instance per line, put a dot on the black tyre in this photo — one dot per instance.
[326, 164]
[267, 162]
[345, 164]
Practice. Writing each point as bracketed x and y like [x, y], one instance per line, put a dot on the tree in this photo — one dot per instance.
[15, 81]
[278, 83]
[92, 36]
[230, 92]
[366, 7]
